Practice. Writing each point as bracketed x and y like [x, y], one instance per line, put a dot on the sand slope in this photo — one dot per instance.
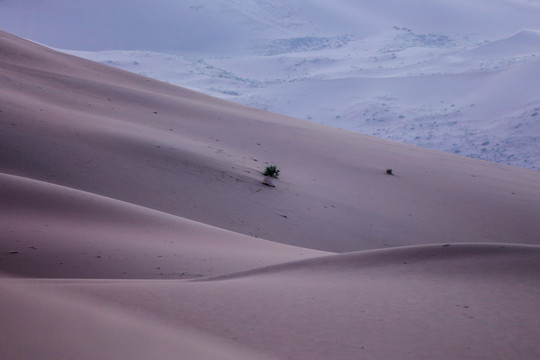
[52, 231]
[86, 126]
[112, 185]
[37, 324]
[459, 301]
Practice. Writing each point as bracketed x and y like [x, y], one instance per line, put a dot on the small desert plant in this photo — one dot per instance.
[271, 171]
[389, 172]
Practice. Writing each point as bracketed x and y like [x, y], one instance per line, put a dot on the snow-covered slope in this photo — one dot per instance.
[460, 76]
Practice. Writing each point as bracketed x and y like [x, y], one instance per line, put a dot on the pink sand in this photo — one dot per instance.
[134, 224]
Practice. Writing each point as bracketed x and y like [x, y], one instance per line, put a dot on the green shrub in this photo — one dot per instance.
[389, 172]
[271, 171]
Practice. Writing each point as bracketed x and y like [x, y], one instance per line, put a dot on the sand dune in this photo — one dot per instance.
[56, 232]
[525, 42]
[458, 301]
[37, 324]
[113, 184]
[86, 126]
[410, 72]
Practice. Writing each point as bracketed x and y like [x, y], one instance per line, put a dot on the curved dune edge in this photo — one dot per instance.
[51, 231]
[524, 42]
[86, 126]
[463, 301]
[101, 170]
[38, 324]
[443, 259]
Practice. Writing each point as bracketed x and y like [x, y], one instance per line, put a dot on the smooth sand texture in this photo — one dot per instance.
[37, 324]
[63, 232]
[111, 182]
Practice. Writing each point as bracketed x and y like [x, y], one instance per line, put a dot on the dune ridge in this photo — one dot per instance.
[444, 259]
[524, 42]
[322, 61]
[134, 223]
[50, 231]
[470, 301]
[130, 138]
[37, 323]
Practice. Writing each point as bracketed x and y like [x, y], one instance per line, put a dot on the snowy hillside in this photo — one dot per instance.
[460, 76]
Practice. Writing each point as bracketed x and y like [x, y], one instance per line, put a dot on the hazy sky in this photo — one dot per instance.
[224, 27]
[127, 25]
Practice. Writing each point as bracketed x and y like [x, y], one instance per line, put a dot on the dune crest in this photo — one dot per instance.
[445, 301]
[118, 191]
[49, 231]
[443, 260]
[97, 129]
[525, 42]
